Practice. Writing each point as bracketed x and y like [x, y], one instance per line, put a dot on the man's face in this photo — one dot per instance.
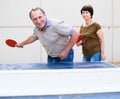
[38, 18]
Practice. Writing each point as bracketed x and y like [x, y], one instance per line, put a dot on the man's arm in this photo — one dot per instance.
[29, 40]
[70, 45]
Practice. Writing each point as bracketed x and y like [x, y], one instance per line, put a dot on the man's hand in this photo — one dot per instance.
[63, 55]
[19, 45]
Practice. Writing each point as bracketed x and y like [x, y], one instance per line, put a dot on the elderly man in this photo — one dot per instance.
[56, 37]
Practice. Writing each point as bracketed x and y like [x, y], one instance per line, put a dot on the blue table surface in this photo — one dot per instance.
[76, 65]
[110, 95]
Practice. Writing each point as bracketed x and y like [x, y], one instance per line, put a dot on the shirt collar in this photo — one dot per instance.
[47, 22]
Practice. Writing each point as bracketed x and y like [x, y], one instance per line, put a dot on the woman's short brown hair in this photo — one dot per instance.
[88, 8]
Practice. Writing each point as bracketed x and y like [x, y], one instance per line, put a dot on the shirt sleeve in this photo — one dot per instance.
[98, 26]
[34, 33]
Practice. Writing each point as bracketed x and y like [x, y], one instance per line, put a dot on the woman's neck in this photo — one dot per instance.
[89, 22]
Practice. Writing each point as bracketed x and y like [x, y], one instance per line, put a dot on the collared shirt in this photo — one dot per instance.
[54, 37]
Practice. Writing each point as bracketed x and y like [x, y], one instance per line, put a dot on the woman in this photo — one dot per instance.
[92, 37]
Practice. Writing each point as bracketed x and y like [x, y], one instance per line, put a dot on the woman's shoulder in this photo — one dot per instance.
[97, 25]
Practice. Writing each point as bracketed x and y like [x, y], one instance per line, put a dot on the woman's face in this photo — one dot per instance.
[86, 15]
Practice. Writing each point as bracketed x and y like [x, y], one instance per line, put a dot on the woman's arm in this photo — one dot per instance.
[102, 43]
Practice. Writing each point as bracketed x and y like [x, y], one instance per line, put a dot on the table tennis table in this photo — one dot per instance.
[78, 80]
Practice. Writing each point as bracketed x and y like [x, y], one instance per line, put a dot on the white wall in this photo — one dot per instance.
[15, 23]
[116, 31]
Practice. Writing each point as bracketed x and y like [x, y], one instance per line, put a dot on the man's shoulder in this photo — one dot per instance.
[36, 28]
[55, 21]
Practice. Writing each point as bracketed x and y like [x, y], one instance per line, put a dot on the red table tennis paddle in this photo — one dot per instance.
[11, 42]
[79, 38]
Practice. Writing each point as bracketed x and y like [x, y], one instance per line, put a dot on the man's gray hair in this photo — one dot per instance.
[35, 9]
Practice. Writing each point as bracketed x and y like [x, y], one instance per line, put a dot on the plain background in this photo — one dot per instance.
[16, 24]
